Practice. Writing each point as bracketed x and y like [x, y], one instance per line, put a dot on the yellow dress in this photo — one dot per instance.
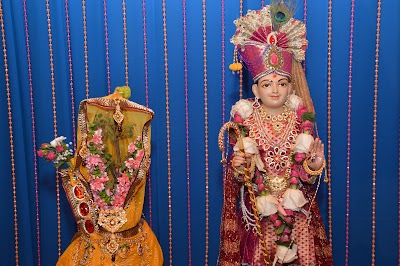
[107, 186]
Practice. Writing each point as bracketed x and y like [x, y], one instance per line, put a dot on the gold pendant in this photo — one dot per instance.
[118, 115]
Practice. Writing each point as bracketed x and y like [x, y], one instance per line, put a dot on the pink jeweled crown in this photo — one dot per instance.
[266, 48]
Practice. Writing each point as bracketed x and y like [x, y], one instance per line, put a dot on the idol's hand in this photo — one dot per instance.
[239, 158]
[317, 156]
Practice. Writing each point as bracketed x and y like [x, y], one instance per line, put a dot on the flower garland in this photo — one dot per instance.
[110, 191]
[280, 209]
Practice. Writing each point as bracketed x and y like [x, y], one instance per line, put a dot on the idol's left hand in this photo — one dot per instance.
[316, 156]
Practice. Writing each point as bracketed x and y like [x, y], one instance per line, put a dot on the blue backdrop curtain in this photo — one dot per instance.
[23, 138]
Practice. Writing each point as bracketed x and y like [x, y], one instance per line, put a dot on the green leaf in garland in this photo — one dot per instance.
[308, 116]
[280, 229]
[286, 244]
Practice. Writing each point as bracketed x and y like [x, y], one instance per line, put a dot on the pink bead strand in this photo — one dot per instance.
[168, 129]
[71, 77]
[205, 85]
[11, 134]
[186, 84]
[125, 43]
[329, 123]
[35, 171]
[107, 47]
[85, 48]
[375, 127]
[348, 159]
[54, 103]
[146, 87]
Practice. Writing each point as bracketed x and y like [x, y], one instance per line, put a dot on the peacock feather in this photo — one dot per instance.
[281, 12]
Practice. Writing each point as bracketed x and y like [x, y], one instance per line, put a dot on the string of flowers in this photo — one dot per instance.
[109, 182]
[280, 210]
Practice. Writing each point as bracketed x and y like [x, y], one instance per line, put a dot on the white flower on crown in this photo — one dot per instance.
[293, 102]
[244, 108]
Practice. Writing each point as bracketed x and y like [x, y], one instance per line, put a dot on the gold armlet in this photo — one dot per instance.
[312, 172]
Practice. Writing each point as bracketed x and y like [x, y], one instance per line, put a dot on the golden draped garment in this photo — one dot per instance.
[116, 236]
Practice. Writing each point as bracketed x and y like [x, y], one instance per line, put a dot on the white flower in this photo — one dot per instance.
[250, 146]
[293, 199]
[57, 141]
[303, 142]
[244, 108]
[266, 205]
[293, 102]
[284, 254]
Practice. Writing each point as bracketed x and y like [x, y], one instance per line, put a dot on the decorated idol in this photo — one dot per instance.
[270, 215]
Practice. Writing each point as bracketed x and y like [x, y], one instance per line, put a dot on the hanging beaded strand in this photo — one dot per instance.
[35, 171]
[107, 47]
[146, 87]
[205, 84]
[10, 126]
[125, 43]
[350, 86]
[223, 104]
[85, 48]
[53, 97]
[240, 60]
[71, 77]
[375, 126]
[262, 3]
[329, 123]
[164, 15]
[186, 84]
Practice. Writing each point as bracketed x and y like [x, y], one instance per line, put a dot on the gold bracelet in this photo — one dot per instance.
[312, 172]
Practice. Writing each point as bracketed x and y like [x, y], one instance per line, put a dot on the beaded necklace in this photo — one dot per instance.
[205, 85]
[35, 170]
[375, 126]
[10, 123]
[186, 84]
[350, 85]
[168, 129]
[240, 60]
[53, 97]
[329, 123]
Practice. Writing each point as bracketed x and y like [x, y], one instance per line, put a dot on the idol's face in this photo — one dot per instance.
[273, 91]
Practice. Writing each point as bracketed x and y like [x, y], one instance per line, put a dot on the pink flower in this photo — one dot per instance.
[131, 147]
[294, 181]
[50, 156]
[303, 175]
[238, 119]
[307, 126]
[299, 157]
[294, 172]
[288, 219]
[273, 217]
[300, 111]
[40, 153]
[277, 223]
[97, 185]
[93, 160]
[289, 212]
[123, 180]
[139, 157]
[287, 231]
[96, 139]
[59, 148]
[130, 163]
[284, 238]
[261, 187]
